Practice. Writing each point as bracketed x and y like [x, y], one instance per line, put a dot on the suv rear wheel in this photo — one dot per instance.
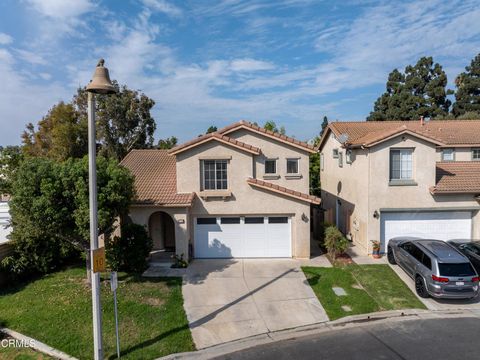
[390, 256]
[420, 287]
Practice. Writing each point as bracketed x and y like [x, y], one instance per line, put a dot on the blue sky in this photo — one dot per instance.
[215, 62]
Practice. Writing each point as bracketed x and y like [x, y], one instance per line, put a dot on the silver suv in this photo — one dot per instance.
[438, 269]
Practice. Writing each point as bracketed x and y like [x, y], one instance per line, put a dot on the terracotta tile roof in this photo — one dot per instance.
[441, 132]
[155, 174]
[282, 190]
[283, 138]
[215, 137]
[457, 177]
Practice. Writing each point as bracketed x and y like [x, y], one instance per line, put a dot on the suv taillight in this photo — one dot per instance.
[476, 279]
[440, 279]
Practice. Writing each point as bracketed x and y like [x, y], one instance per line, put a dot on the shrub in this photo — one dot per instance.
[335, 243]
[129, 252]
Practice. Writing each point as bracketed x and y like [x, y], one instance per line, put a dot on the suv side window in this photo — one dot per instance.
[427, 261]
[472, 249]
[407, 247]
[416, 253]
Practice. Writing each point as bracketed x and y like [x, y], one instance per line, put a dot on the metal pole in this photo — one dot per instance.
[92, 177]
[116, 323]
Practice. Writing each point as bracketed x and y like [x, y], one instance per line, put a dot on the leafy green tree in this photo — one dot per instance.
[271, 126]
[10, 159]
[324, 126]
[124, 121]
[419, 91]
[211, 129]
[167, 143]
[50, 210]
[467, 96]
[61, 134]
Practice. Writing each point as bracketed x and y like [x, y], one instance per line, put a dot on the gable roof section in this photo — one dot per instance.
[215, 137]
[284, 191]
[439, 132]
[155, 174]
[270, 134]
[457, 177]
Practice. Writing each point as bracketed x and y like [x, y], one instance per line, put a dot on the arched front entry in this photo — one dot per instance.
[162, 231]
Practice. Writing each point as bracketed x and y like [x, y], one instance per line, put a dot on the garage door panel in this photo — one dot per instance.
[252, 237]
[434, 225]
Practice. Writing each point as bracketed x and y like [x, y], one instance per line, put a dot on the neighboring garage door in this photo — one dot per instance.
[244, 237]
[441, 225]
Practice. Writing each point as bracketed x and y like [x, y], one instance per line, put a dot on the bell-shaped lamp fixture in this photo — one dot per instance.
[100, 83]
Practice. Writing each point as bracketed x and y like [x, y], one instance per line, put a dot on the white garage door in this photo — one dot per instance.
[4, 222]
[441, 225]
[247, 237]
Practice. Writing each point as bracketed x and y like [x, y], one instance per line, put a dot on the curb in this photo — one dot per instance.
[37, 345]
[315, 329]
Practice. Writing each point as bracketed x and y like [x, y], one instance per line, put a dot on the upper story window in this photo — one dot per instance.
[348, 156]
[340, 159]
[270, 166]
[476, 154]
[448, 155]
[401, 164]
[215, 175]
[322, 162]
[335, 153]
[292, 166]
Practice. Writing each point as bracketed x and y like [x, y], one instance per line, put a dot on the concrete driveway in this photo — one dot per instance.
[232, 299]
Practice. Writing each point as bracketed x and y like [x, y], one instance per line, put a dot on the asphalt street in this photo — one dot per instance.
[436, 339]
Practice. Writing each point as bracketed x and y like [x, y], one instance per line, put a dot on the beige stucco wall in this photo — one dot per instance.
[272, 149]
[349, 184]
[141, 215]
[245, 199]
[366, 184]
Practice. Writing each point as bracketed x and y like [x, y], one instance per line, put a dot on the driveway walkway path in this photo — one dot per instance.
[232, 299]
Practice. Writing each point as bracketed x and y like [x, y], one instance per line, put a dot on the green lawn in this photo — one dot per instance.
[10, 353]
[56, 310]
[369, 288]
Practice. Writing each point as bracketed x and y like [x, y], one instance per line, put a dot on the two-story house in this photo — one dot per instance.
[402, 178]
[239, 192]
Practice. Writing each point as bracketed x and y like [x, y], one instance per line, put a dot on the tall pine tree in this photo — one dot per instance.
[419, 91]
[467, 97]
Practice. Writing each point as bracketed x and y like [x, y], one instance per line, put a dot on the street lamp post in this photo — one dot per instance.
[100, 84]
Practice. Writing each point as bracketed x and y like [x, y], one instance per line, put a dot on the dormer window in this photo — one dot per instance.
[476, 154]
[448, 155]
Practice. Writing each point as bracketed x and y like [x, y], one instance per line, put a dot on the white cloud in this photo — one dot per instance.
[163, 6]
[5, 39]
[62, 9]
[248, 65]
[31, 57]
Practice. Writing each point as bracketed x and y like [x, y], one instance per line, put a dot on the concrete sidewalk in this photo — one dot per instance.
[232, 299]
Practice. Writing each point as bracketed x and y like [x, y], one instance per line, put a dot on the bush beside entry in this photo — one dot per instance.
[129, 252]
[335, 243]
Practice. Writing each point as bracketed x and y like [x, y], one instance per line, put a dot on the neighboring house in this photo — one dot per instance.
[385, 179]
[5, 229]
[239, 192]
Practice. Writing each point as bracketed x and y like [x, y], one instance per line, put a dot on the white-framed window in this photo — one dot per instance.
[322, 162]
[340, 159]
[292, 166]
[335, 153]
[401, 164]
[214, 174]
[270, 166]
[348, 156]
[476, 154]
[448, 155]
